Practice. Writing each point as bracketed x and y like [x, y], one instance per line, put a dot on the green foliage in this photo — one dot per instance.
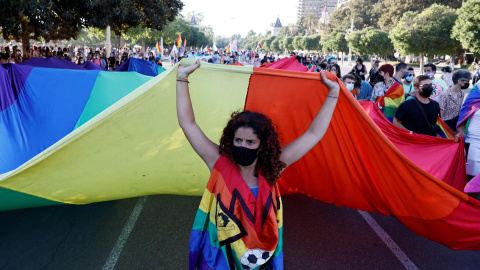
[312, 43]
[391, 11]
[335, 41]
[363, 12]
[426, 33]
[268, 42]
[62, 19]
[467, 26]
[370, 41]
[275, 45]
[288, 43]
[297, 43]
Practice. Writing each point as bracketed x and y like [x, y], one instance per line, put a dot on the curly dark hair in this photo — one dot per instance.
[268, 162]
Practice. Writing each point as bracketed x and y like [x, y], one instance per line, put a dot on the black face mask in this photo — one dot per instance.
[244, 156]
[466, 85]
[426, 91]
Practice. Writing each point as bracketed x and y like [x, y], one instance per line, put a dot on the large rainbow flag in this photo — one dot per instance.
[135, 146]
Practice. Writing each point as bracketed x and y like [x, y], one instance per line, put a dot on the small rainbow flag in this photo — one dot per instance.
[259, 44]
[391, 100]
[443, 130]
[208, 50]
[185, 43]
[228, 49]
[159, 50]
[179, 41]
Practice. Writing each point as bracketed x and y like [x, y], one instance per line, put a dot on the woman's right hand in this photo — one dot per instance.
[185, 71]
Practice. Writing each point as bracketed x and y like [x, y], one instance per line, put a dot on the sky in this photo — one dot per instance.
[228, 19]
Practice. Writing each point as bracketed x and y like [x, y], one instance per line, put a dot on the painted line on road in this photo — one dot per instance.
[122, 239]
[401, 256]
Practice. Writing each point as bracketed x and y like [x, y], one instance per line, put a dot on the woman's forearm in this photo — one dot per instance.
[184, 104]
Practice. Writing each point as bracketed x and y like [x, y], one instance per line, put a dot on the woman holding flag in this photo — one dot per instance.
[239, 221]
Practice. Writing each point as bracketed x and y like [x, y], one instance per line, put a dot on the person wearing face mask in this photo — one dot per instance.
[244, 167]
[387, 87]
[419, 114]
[438, 84]
[408, 84]
[362, 88]
[349, 81]
[451, 100]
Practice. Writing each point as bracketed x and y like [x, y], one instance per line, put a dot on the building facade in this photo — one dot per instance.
[315, 7]
[277, 27]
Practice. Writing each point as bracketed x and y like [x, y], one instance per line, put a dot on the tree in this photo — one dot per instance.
[391, 11]
[312, 43]
[267, 43]
[297, 43]
[275, 45]
[427, 33]
[62, 19]
[335, 41]
[288, 43]
[369, 41]
[467, 26]
[363, 12]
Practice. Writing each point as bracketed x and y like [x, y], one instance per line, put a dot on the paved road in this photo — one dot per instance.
[317, 236]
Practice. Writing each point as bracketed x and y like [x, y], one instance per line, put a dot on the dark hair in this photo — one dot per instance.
[358, 79]
[461, 74]
[337, 67]
[360, 60]
[434, 68]
[400, 66]
[268, 161]
[447, 69]
[323, 66]
[420, 78]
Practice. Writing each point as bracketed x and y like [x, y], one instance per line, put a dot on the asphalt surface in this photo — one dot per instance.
[317, 235]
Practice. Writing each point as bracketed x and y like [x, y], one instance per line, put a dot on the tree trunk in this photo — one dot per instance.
[143, 47]
[119, 36]
[421, 63]
[343, 56]
[26, 43]
[452, 61]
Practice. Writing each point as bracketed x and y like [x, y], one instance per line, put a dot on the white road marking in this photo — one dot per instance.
[401, 256]
[122, 239]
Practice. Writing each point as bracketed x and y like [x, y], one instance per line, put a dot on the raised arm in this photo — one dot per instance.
[204, 147]
[300, 146]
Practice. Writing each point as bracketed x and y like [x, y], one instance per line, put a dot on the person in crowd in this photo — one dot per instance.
[451, 100]
[80, 61]
[408, 84]
[362, 88]
[250, 159]
[360, 69]
[349, 81]
[476, 76]
[96, 59]
[322, 66]
[438, 84]
[111, 61]
[419, 114]
[447, 76]
[386, 82]
[335, 69]
[373, 74]
[401, 71]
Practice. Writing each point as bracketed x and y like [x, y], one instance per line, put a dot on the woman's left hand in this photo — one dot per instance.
[333, 87]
